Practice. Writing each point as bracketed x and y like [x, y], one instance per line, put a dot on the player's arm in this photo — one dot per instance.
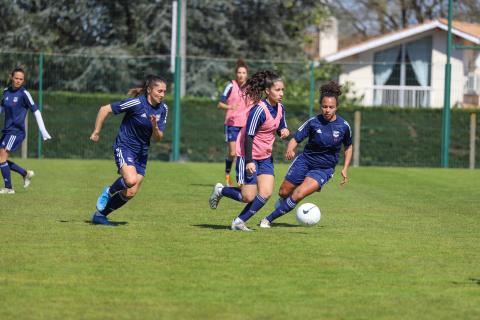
[159, 126]
[102, 114]
[283, 131]
[290, 153]
[348, 158]
[28, 100]
[156, 133]
[224, 97]
[256, 117]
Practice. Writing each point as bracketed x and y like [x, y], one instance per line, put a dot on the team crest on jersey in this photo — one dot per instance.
[6, 99]
[15, 99]
[157, 116]
[144, 115]
[319, 130]
[336, 133]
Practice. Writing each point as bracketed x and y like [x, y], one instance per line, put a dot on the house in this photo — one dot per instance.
[406, 68]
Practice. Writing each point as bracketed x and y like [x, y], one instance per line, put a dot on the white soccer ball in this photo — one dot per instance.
[308, 214]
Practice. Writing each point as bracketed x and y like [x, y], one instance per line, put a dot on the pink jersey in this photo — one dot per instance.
[237, 117]
[265, 136]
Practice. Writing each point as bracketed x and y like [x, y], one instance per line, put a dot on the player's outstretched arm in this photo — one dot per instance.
[41, 125]
[103, 113]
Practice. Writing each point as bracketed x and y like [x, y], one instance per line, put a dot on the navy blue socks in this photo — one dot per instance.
[232, 193]
[285, 206]
[115, 202]
[15, 167]
[228, 166]
[118, 185]
[6, 175]
[252, 208]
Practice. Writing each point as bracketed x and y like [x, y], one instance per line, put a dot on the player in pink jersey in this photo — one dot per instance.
[255, 171]
[236, 106]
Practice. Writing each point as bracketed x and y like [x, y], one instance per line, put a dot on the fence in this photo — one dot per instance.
[73, 88]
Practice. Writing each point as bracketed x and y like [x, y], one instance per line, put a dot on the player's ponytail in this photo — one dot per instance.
[149, 81]
[258, 83]
[330, 89]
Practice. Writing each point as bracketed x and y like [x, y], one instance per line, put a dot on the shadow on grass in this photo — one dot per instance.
[114, 223]
[212, 226]
[202, 185]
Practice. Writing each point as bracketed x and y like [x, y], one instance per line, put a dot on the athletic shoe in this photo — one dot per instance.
[103, 199]
[228, 181]
[240, 226]
[98, 218]
[28, 178]
[215, 196]
[7, 191]
[265, 223]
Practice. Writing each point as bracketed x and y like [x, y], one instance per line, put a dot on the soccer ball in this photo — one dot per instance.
[308, 214]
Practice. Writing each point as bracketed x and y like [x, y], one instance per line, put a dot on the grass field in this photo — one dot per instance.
[396, 243]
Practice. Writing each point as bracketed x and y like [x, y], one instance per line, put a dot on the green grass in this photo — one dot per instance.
[395, 243]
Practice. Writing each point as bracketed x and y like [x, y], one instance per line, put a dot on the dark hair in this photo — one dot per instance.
[260, 81]
[149, 82]
[330, 89]
[241, 64]
[17, 69]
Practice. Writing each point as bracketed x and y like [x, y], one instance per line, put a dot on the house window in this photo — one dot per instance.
[405, 65]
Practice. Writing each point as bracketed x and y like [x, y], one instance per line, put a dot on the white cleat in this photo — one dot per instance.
[7, 191]
[28, 178]
[240, 226]
[216, 196]
[265, 224]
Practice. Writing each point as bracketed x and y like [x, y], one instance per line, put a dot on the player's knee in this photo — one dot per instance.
[231, 155]
[283, 192]
[298, 196]
[130, 181]
[247, 198]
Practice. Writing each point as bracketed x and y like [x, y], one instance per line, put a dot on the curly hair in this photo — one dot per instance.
[148, 82]
[330, 89]
[261, 80]
[241, 64]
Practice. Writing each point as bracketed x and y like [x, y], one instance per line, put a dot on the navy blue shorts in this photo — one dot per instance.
[11, 142]
[299, 169]
[231, 133]
[264, 166]
[126, 156]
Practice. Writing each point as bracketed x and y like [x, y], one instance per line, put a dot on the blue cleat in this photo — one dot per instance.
[99, 218]
[103, 199]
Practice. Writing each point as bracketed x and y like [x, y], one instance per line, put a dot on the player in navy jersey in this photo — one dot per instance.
[255, 170]
[313, 168]
[145, 117]
[236, 107]
[16, 101]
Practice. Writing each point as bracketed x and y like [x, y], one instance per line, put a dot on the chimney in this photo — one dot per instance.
[328, 37]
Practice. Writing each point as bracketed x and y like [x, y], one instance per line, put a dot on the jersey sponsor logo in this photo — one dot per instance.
[129, 159]
[319, 130]
[15, 99]
[336, 133]
[144, 115]
[6, 99]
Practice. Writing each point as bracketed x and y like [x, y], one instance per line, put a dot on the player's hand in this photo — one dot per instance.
[289, 154]
[95, 136]
[250, 168]
[153, 120]
[233, 107]
[344, 177]
[47, 136]
[284, 133]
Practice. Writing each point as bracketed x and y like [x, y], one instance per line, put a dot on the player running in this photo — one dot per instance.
[313, 168]
[255, 170]
[16, 101]
[145, 117]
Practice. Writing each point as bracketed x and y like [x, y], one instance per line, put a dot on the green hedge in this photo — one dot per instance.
[389, 136]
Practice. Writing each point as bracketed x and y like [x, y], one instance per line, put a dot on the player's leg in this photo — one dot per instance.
[8, 143]
[5, 169]
[234, 193]
[122, 197]
[257, 198]
[27, 175]
[230, 158]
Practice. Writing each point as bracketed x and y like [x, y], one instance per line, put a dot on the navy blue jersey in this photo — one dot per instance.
[226, 93]
[16, 104]
[136, 129]
[257, 116]
[325, 140]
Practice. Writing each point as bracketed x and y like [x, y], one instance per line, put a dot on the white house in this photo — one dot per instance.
[407, 67]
